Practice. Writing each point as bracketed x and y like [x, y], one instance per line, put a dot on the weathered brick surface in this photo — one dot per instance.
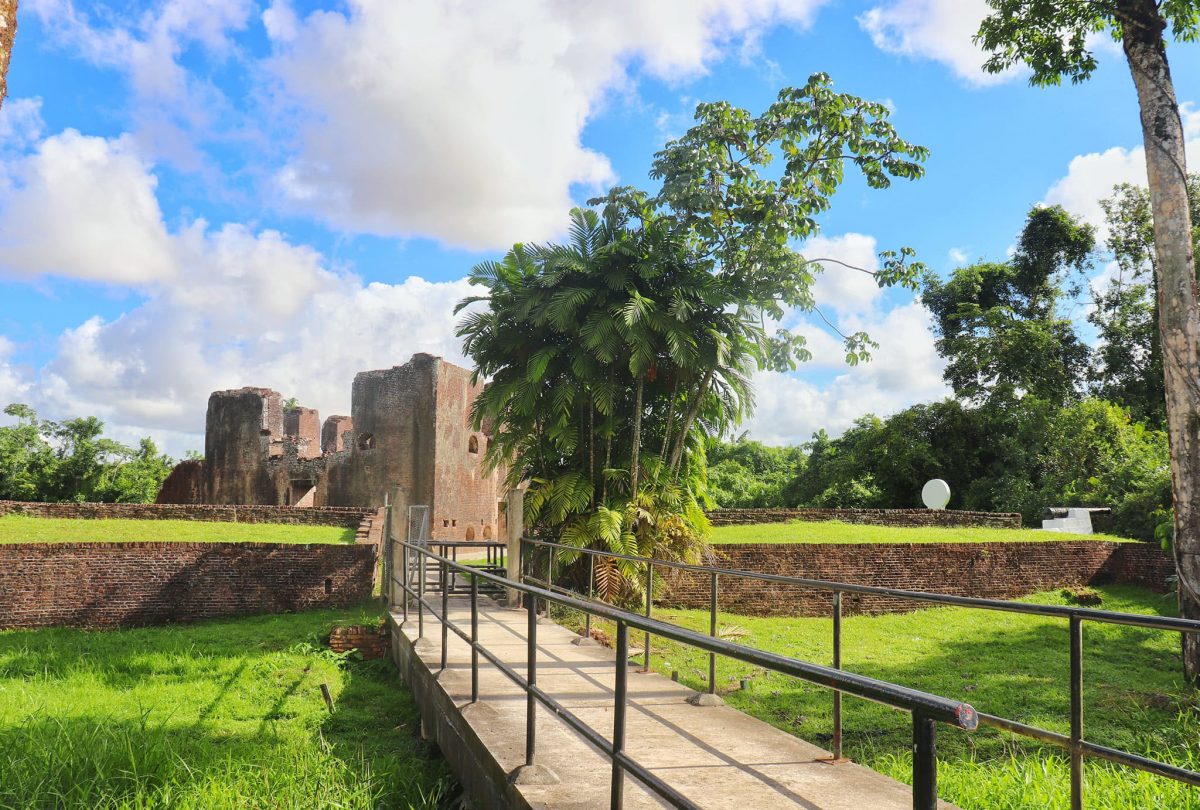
[371, 642]
[104, 585]
[876, 517]
[989, 570]
[347, 517]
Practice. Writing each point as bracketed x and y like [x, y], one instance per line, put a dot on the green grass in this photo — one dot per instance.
[218, 714]
[25, 529]
[1011, 665]
[835, 531]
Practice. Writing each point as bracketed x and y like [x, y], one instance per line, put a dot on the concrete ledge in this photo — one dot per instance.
[483, 780]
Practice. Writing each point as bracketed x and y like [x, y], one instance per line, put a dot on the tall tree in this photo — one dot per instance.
[1129, 360]
[1000, 325]
[1053, 39]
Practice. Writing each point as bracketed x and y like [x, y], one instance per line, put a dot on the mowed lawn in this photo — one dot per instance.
[213, 715]
[25, 529]
[1011, 665]
[837, 532]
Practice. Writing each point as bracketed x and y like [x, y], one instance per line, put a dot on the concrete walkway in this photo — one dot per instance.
[715, 756]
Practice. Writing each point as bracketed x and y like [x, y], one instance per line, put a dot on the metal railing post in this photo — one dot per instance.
[837, 664]
[587, 617]
[530, 700]
[1076, 630]
[712, 631]
[421, 594]
[924, 762]
[404, 582]
[445, 614]
[619, 699]
[474, 638]
[649, 598]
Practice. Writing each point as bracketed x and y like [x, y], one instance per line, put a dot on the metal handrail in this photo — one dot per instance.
[926, 709]
[1078, 747]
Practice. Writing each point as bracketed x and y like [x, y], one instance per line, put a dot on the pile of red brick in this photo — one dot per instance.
[371, 642]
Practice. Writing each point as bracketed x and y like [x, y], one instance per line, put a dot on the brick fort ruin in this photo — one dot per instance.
[408, 436]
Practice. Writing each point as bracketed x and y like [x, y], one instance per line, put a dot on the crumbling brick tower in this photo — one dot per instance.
[408, 436]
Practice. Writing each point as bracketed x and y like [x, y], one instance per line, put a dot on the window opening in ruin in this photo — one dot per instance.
[473, 445]
[487, 532]
[470, 532]
[366, 441]
[454, 523]
[445, 524]
[328, 586]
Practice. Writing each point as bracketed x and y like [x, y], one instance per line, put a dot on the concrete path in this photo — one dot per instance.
[715, 756]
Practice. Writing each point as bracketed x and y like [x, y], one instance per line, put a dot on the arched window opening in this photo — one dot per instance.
[487, 532]
[473, 445]
[366, 441]
[470, 532]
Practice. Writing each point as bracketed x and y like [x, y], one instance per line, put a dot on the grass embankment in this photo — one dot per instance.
[220, 714]
[25, 529]
[1011, 665]
[835, 531]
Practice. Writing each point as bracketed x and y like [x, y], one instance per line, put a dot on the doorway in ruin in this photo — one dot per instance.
[302, 493]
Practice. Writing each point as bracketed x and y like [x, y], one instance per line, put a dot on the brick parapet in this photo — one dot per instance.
[344, 516]
[953, 518]
[987, 570]
[106, 585]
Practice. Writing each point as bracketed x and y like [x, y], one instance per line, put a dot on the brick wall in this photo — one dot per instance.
[989, 570]
[104, 585]
[347, 517]
[876, 517]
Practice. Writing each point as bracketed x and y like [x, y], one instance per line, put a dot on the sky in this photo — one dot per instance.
[200, 196]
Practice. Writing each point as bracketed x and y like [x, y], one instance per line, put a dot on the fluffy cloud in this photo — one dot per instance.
[841, 288]
[904, 370]
[940, 30]
[463, 121]
[83, 207]
[1091, 177]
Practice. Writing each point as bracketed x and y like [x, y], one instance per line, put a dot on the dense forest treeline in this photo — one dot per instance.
[1038, 418]
[42, 460]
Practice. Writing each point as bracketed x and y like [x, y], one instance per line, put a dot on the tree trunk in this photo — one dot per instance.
[1178, 305]
[8, 32]
[686, 427]
[637, 437]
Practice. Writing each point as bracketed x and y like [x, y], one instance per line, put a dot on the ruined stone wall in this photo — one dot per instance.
[102, 585]
[243, 428]
[303, 426]
[464, 506]
[392, 414]
[333, 433]
[875, 517]
[184, 484]
[347, 517]
[988, 570]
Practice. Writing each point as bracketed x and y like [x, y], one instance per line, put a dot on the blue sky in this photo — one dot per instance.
[202, 196]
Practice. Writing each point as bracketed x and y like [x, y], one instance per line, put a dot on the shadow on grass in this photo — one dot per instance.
[215, 714]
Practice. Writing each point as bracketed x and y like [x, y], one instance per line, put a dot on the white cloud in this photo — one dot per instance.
[940, 30]
[957, 256]
[83, 207]
[1091, 177]
[464, 121]
[20, 123]
[844, 289]
[14, 385]
[904, 370]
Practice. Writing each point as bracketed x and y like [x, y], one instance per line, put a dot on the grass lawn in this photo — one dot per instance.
[835, 531]
[219, 714]
[1012, 665]
[25, 529]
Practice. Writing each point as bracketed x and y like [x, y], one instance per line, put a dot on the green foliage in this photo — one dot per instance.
[206, 716]
[41, 460]
[611, 357]
[835, 531]
[1000, 326]
[748, 474]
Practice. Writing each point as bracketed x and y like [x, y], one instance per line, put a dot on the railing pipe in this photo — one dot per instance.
[620, 698]
[421, 596]
[474, 638]
[837, 664]
[445, 613]
[649, 599]
[404, 585]
[712, 631]
[587, 617]
[924, 762]
[531, 679]
[1076, 631]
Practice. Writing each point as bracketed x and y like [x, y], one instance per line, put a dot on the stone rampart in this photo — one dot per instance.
[105, 585]
[876, 517]
[988, 570]
[347, 517]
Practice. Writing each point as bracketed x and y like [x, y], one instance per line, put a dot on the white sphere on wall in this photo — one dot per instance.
[935, 494]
